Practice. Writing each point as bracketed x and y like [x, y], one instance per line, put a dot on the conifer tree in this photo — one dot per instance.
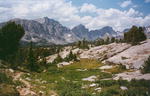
[58, 59]
[71, 57]
[112, 39]
[135, 35]
[10, 35]
[32, 60]
[83, 44]
[107, 40]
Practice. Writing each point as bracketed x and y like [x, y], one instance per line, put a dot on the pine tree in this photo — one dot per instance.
[99, 42]
[32, 60]
[112, 39]
[58, 59]
[43, 62]
[135, 35]
[10, 36]
[71, 57]
[83, 44]
[107, 41]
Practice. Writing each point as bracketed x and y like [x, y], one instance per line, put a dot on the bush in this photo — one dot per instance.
[109, 92]
[58, 59]
[146, 67]
[8, 90]
[71, 57]
[5, 79]
[71, 89]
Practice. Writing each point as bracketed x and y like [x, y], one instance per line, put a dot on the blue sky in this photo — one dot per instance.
[140, 5]
[94, 14]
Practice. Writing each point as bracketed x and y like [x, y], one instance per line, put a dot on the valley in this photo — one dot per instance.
[92, 75]
[99, 65]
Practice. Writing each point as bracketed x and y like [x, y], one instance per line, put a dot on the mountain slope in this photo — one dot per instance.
[81, 32]
[48, 31]
[120, 53]
[45, 31]
[105, 31]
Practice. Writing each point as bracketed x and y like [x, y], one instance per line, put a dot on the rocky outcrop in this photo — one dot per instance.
[46, 31]
[120, 53]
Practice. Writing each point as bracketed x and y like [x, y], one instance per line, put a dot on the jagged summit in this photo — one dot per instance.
[46, 20]
[46, 31]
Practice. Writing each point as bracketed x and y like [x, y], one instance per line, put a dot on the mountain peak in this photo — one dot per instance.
[81, 26]
[43, 20]
[46, 20]
[108, 28]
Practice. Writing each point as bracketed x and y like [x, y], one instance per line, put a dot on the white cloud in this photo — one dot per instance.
[88, 8]
[126, 3]
[116, 18]
[147, 1]
[70, 15]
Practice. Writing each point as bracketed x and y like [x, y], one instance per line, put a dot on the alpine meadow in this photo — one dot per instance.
[74, 48]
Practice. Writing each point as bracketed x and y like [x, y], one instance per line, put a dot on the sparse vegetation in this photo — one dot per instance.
[67, 80]
[71, 57]
[5, 79]
[82, 44]
[117, 69]
[146, 67]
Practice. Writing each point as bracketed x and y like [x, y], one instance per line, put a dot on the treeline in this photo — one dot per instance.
[32, 58]
[135, 35]
[68, 58]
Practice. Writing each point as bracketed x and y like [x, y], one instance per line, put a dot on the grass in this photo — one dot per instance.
[135, 87]
[85, 64]
[66, 75]
[117, 69]
[67, 81]
[7, 86]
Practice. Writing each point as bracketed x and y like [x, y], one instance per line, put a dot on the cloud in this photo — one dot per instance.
[114, 17]
[70, 15]
[147, 1]
[88, 8]
[126, 3]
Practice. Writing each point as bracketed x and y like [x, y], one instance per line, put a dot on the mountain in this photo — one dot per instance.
[105, 31]
[81, 32]
[47, 31]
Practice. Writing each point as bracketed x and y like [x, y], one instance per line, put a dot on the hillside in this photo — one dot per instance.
[46, 31]
[98, 71]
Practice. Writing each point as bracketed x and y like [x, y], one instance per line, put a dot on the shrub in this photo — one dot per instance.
[146, 67]
[71, 89]
[71, 57]
[5, 79]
